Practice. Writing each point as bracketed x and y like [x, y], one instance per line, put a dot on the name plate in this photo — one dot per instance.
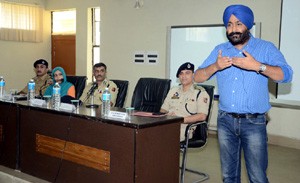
[66, 107]
[118, 115]
[6, 97]
[37, 102]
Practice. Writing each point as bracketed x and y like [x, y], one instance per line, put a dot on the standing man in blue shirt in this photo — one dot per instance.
[242, 67]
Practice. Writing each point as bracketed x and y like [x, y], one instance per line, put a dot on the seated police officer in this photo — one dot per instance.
[42, 79]
[97, 88]
[186, 100]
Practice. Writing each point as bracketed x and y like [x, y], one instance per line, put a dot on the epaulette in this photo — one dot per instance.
[197, 87]
[200, 88]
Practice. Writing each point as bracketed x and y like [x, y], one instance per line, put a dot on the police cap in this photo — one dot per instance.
[185, 66]
[40, 61]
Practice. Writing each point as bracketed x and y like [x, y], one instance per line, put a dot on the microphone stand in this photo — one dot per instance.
[91, 95]
[92, 105]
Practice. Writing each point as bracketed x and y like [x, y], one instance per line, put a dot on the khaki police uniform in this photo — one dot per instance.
[99, 91]
[186, 103]
[41, 84]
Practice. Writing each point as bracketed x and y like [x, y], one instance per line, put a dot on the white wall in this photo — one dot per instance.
[83, 31]
[16, 58]
[125, 30]
[289, 46]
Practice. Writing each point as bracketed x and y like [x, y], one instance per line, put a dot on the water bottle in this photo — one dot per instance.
[31, 91]
[56, 97]
[2, 85]
[106, 97]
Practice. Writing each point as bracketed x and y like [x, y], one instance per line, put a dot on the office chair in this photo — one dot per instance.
[149, 94]
[122, 93]
[79, 83]
[198, 140]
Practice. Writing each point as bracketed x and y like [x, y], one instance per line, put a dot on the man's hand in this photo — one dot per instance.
[223, 62]
[171, 114]
[248, 62]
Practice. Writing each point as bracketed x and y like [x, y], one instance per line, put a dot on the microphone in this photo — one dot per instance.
[93, 88]
[89, 94]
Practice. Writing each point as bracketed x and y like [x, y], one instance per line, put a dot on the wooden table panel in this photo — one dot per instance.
[9, 135]
[157, 152]
[59, 146]
[117, 140]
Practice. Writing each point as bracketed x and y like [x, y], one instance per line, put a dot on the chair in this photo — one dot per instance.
[123, 86]
[149, 94]
[198, 140]
[79, 82]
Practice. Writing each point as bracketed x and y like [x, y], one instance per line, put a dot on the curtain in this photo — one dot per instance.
[19, 22]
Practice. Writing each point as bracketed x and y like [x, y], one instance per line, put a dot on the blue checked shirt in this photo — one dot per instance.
[242, 91]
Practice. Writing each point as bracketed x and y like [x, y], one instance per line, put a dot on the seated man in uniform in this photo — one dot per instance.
[186, 100]
[42, 79]
[98, 87]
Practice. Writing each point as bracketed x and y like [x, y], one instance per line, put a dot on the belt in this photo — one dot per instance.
[244, 115]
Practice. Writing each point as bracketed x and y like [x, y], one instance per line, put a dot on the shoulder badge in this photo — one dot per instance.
[197, 87]
[175, 96]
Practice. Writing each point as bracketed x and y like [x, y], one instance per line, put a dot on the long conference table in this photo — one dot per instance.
[59, 146]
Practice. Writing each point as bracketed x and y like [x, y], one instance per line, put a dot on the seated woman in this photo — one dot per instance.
[67, 89]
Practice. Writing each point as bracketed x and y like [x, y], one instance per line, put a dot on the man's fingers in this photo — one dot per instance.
[220, 53]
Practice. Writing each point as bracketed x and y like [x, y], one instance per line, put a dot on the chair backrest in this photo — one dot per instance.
[122, 86]
[150, 93]
[200, 133]
[79, 82]
[210, 91]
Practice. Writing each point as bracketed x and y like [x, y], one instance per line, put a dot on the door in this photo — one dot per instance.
[64, 53]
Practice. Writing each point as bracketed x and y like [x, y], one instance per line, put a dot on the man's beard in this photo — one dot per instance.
[236, 38]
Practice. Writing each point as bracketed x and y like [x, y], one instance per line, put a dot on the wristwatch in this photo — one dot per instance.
[262, 68]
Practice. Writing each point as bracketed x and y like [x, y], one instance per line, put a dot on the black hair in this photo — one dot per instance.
[99, 65]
